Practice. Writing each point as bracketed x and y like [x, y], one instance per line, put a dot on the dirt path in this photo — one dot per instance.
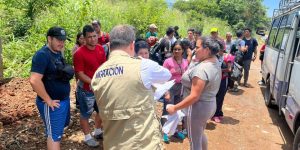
[247, 124]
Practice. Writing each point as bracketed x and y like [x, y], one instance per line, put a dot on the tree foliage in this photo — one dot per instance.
[249, 13]
[24, 23]
[72, 15]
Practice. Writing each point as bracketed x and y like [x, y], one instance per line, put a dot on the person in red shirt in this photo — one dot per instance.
[86, 61]
[261, 58]
[103, 38]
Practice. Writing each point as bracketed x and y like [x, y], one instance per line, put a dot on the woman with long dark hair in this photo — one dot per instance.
[200, 85]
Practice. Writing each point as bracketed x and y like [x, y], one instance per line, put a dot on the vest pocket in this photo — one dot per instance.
[117, 114]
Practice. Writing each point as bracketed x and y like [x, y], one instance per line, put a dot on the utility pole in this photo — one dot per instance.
[1, 60]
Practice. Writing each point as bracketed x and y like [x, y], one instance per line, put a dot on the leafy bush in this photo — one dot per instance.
[222, 26]
[73, 15]
[25, 25]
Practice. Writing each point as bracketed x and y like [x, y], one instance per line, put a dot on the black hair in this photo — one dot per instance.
[191, 29]
[140, 44]
[170, 30]
[176, 28]
[87, 28]
[185, 42]
[239, 33]
[178, 42]
[79, 34]
[248, 29]
[198, 32]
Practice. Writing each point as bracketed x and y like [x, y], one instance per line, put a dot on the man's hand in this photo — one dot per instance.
[246, 48]
[171, 109]
[53, 103]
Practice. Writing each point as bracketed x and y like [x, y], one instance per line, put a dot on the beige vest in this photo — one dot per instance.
[126, 107]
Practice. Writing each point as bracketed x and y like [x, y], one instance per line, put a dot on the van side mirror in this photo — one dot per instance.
[261, 32]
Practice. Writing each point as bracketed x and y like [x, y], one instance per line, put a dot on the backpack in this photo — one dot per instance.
[239, 55]
[236, 73]
[65, 72]
[234, 47]
[155, 53]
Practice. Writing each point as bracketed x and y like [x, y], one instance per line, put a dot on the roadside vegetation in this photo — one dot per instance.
[24, 23]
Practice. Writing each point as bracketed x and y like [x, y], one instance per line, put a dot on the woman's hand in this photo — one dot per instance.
[171, 109]
[167, 96]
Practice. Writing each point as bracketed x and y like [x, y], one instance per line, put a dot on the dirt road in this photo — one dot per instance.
[247, 124]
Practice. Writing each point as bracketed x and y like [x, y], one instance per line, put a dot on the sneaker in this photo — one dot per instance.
[179, 135]
[99, 136]
[246, 85]
[235, 89]
[91, 143]
[166, 138]
[216, 119]
[184, 132]
[261, 82]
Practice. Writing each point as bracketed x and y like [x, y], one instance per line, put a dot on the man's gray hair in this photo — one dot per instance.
[212, 44]
[229, 33]
[121, 36]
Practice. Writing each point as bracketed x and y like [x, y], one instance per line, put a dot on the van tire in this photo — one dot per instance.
[296, 144]
[267, 95]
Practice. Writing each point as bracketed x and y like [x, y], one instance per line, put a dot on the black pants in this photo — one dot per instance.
[230, 83]
[220, 97]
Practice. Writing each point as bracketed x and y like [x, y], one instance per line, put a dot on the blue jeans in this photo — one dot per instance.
[87, 102]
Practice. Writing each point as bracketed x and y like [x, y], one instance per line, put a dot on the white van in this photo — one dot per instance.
[281, 65]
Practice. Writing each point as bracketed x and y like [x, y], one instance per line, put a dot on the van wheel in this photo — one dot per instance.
[268, 95]
[296, 144]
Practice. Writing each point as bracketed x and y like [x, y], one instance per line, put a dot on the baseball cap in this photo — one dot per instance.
[153, 26]
[58, 33]
[213, 30]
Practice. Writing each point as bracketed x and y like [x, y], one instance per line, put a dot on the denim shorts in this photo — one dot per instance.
[87, 102]
[54, 120]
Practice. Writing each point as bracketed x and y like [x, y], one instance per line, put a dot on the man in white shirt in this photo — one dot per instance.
[124, 94]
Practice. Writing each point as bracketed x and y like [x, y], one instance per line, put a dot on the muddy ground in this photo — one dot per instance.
[247, 124]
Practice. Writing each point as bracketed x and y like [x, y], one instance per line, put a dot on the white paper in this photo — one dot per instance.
[161, 89]
[179, 113]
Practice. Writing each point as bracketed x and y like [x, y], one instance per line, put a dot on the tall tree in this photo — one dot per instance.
[251, 13]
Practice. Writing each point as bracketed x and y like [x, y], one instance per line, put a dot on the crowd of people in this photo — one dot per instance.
[117, 77]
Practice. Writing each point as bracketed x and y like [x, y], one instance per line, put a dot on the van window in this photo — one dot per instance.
[290, 20]
[282, 34]
[297, 40]
[273, 32]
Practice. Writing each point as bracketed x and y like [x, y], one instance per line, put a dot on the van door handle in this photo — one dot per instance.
[291, 62]
[286, 96]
